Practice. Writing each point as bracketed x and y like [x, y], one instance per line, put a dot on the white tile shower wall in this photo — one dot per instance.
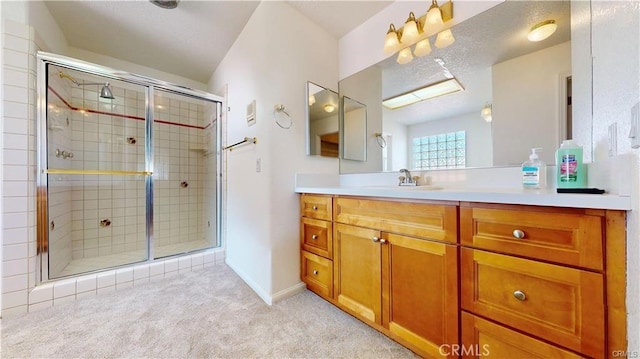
[100, 142]
[19, 244]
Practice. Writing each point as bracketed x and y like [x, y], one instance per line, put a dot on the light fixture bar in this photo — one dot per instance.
[424, 93]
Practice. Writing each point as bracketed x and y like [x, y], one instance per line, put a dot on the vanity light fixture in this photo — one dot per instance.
[424, 93]
[486, 113]
[417, 31]
[329, 108]
[542, 30]
[312, 100]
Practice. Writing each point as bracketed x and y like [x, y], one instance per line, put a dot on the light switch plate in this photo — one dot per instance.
[612, 140]
[634, 132]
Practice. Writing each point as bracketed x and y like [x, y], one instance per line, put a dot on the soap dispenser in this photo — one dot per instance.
[534, 171]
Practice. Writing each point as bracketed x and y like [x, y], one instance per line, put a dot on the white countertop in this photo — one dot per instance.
[546, 197]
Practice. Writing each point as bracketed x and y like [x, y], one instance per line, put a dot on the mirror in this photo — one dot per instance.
[354, 130]
[322, 121]
[527, 86]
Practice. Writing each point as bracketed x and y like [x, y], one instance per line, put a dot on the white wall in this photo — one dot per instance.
[271, 67]
[478, 137]
[527, 100]
[616, 88]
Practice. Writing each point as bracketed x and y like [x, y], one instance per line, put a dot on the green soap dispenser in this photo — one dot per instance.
[534, 171]
[571, 173]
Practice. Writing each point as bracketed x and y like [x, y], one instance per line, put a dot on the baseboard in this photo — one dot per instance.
[256, 288]
[289, 292]
[269, 299]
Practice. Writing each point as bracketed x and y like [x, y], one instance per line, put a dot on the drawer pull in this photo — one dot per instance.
[519, 295]
[375, 239]
[518, 234]
[315, 208]
[315, 272]
[383, 241]
[315, 236]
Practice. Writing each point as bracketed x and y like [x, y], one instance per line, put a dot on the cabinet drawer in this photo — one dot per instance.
[566, 237]
[317, 273]
[425, 220]
[484, 339]
[316, 206]
[559, 304]
[316, 237]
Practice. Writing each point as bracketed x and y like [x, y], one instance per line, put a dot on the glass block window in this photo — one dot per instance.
[446, 150]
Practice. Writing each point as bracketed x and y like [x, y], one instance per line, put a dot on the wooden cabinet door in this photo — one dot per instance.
[357, 271]
[420, 291]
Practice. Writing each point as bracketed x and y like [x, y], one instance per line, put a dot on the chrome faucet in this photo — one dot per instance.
[407, 179]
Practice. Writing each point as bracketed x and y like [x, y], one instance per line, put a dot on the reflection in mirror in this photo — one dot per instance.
[525, 84]
[322, 121]
[354, 130]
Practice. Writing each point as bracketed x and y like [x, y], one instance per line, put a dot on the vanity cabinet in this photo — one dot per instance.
[537, 275]
[394, 269]
[471, 280]
[316, 242]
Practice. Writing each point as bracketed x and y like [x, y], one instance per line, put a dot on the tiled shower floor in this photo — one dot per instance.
[84, 265]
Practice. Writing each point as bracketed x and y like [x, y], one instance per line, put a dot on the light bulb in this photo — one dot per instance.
[329, 108]
[433, 20]
[410, 30]
[405, 56]
[312, 100]
[391, 41]
[444, 39]
[423, 48]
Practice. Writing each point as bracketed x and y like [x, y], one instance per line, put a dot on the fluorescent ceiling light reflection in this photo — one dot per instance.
[428, 92]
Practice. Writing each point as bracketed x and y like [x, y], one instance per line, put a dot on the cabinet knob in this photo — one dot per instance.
[315, 272]
[383, 241]
[315, 208]
[375, 239]
[518, 234]
[315, 236]
[519, 295]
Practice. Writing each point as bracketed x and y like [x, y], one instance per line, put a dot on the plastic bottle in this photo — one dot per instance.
[534, 171]
[571, 173]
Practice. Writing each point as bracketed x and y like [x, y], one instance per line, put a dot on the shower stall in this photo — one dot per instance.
[128, 168]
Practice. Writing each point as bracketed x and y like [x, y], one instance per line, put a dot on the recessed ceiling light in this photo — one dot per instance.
[424, 93]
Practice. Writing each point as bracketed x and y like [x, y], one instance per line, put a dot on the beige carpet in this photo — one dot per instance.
[205, 314]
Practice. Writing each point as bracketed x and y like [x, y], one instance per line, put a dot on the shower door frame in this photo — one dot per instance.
[150, 85]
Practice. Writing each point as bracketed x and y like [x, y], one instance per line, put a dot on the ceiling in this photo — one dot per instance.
[200, 31]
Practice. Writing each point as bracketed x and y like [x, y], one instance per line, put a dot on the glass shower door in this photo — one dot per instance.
[95, 173]
[185, 170]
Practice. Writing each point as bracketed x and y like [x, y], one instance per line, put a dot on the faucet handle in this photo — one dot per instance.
[415, 179]
[402, 179]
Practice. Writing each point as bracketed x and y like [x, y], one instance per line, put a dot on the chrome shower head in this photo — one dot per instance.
[105, 92]
[165, 4]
